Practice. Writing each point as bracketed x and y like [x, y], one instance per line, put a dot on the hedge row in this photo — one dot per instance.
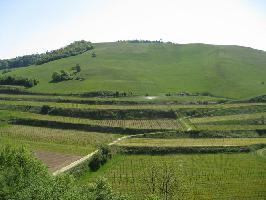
[112, 113]
[189, 150]
[93, 113]
[208, 134]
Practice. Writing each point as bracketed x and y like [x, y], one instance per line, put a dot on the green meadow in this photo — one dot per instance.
[228, 71]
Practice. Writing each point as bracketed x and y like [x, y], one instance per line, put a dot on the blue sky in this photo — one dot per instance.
[31, 26]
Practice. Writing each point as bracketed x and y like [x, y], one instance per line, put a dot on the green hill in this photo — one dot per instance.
[156, 68]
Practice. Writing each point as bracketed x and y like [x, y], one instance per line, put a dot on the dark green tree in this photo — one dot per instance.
[56, 77]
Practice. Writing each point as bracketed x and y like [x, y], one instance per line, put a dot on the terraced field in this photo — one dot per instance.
[55, 140]
[195, 176]
[189, 142]
[166, 131]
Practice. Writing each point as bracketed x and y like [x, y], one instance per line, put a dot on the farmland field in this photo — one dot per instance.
[56, 140]
[189, 142]
[209, 176]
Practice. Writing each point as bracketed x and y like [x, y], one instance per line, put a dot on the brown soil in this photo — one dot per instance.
[55, 161]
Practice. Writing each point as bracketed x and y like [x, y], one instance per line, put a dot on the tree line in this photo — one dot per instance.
[72, 49]
[141, 41]
[20, 81]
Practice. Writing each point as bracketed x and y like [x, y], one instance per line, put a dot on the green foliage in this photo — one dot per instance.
[72, 49]
[15, 80]
[100, 158]
[93, 55]
[6, 71]
[76, 68]
[153, 197]
[45, 109]
[66, 75]
[56, 77]
[24, 177]
[142, 41]
[61, 76]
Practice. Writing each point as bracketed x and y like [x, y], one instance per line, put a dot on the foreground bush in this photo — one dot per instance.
[23, 177]
[100, 158]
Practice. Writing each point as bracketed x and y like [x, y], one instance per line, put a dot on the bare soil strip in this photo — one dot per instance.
[55, 161]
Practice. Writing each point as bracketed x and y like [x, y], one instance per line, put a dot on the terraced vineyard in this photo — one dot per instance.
[55, 140]
[190, 139]
[188, 142]
[195, 176]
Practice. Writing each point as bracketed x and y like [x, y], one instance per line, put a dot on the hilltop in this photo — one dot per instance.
[157, 68]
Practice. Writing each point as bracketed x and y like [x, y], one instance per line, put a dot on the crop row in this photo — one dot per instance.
[191, 142]
[228, 117]
[57, 140]
[170, 124]
[195, 176]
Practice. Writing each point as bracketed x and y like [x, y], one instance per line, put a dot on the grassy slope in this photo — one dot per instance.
[228, 71]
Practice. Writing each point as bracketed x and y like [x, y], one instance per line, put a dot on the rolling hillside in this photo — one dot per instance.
[228, 71]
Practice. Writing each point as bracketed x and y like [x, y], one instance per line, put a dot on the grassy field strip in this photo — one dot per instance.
[127, 107]
[185, 126]
[200, 176]
[227, 117]
[230, 127]
[158, 99]
[137, 124]
[261, 153]
[57, 140]
[189, 142]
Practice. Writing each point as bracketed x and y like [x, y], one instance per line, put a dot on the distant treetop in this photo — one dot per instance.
[72, 49]
[141, 41]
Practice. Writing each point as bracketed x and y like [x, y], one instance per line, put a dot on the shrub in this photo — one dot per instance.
[95, 162]
[61, 76]
[76, 68]
[100, 158]
[56, 76]
[45, 109]
[93, 54]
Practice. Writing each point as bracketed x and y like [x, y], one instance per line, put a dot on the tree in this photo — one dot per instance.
[77, 68]
[93, 54]
[65, 75]
[56, 77]
[162, 181]
[100, 158]
[15, 80]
